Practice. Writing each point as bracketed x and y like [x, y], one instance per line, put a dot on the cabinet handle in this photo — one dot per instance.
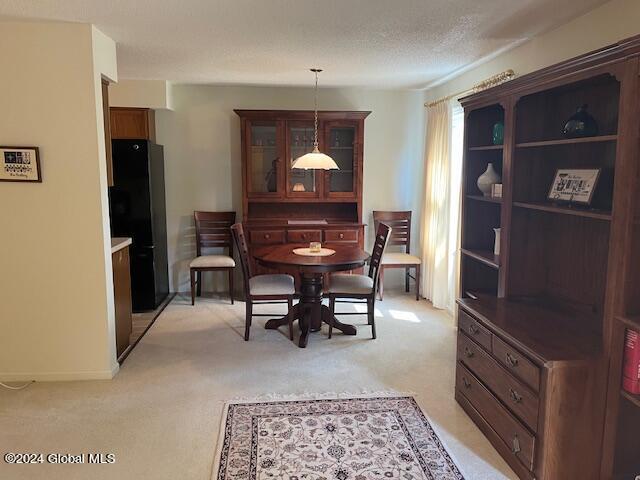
[267, 236]
[467, 383]
[515, 396]
[467, 352]
[515, 445]
[304, 236]
[473, 329]
[511, 360]
[341, 236]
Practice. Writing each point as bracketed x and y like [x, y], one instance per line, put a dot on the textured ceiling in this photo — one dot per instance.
[369, 43]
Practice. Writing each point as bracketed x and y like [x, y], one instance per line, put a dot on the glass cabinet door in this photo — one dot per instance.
[341, 145]
[300, 183]
[263, 163]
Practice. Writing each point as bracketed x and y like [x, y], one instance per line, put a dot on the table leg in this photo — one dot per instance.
[345, 328]
[310, 312]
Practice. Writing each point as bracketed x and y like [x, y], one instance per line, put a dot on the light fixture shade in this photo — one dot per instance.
[315, 161]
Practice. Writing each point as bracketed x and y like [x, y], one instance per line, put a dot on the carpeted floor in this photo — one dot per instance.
[161, 414]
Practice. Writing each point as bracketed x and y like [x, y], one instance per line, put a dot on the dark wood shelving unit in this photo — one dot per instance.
[566, 284]
[568, 141]
[486, 257]
[565, 210]
[482, 198]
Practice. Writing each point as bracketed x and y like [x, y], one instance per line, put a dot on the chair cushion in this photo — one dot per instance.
[278, 284]
[355, 284]
[400, 259]
[218, 261]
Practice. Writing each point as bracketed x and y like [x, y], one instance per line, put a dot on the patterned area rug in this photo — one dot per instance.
[331, 439]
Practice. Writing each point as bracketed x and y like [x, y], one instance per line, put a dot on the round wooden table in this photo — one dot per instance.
[310, 312]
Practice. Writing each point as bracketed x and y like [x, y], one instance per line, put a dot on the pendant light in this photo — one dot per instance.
[315, 160]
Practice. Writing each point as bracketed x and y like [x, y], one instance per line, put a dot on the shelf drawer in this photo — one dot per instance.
[472, 327]
[346, 236]
[516, 363]
[304, 236]
[267, 237]
[518, 439]
[516, 396]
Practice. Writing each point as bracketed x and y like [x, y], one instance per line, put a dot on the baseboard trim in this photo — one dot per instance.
[60, 376]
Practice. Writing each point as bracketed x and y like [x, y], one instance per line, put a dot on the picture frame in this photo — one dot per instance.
[574, 185]
[20, 164]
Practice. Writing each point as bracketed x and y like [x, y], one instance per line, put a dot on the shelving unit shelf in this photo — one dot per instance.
[635, 399]
[565, 286]
[568, 141]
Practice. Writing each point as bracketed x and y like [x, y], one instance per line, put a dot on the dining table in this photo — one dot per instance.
[309, 311]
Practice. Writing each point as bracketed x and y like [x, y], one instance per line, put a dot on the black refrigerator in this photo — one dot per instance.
[137, 207]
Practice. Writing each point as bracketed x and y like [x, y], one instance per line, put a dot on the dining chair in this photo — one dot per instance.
[360, 287]
[400, 222]
[262, 289]
[212, 231]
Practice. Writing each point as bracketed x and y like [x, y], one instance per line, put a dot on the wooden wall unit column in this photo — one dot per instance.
[541, 326]
[282, 205]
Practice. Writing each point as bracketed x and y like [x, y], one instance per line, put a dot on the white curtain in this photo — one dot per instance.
[440, 222]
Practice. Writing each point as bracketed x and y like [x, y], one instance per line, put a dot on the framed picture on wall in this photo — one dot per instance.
[574, 185]
[19, 164]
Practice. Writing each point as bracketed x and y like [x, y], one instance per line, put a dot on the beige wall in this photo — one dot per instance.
[56, 310]
[202, 153]
[154, 94]
[602, 26]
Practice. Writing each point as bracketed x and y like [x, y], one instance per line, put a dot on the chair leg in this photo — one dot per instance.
[192, 275]
[332, 311]
[417, 282]
[371, 314]
[199, 284]
[290, 317]
[381, 283]
[406, 279]
[231, 285]
[247, 320]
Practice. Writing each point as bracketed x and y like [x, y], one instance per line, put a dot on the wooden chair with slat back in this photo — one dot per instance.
[213, 230]
[345, 288]
[262, 289]
[400, 222]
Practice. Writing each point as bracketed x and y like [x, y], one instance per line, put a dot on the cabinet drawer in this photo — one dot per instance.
[516, 363]
[347, 236]
[472, 327]
[517, 397]
[303, 236]
[509, 429]
[267, 237]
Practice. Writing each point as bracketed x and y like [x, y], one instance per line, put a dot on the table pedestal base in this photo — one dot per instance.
[310, 312]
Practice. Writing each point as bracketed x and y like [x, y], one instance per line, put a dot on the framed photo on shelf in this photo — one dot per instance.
[574, 185]
[19, 164]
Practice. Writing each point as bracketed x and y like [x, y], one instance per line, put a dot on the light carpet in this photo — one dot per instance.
[160, 416]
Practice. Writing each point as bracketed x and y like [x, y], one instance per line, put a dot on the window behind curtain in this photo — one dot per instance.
[457, 142]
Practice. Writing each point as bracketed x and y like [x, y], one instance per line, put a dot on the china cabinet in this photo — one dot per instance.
[286, 205]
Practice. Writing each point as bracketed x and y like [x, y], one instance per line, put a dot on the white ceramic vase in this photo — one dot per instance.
[488, 178]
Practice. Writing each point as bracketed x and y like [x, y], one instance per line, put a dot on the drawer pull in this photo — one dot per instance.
[267, 236]
[467, 383]
[467, 352]
[511, 360]
[515, 445]
[341, 236]
[473, 329]
[515, 396]
[304, 236]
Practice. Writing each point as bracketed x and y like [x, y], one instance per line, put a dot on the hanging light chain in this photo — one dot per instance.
[315, 119]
